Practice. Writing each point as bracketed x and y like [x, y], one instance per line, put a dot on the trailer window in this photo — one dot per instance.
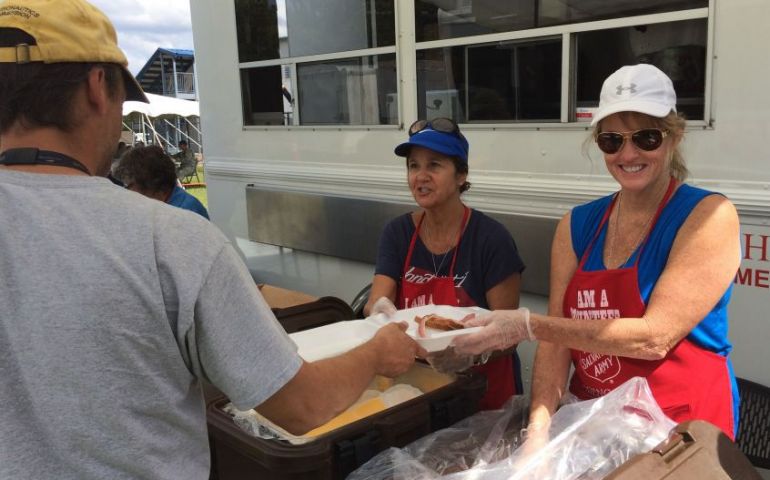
[272, 29]
[485, 61]
[357, 91]
[677, 48]
[267, 96]
[560, 12]
[444, 19]
[506, 81]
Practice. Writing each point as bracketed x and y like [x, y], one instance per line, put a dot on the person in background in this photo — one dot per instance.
[446, 253]
[151, 172]
[122, 148]
[186, 159]
[641, 278]
[107, 326]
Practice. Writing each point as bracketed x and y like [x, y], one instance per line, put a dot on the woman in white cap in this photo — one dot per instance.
[643, 276]
[446, 253]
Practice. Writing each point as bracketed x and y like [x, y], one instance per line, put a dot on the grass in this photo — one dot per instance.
[200, 192]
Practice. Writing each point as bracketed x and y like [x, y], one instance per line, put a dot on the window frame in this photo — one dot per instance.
[405, 37]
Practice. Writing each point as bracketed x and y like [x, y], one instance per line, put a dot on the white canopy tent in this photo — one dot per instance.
[160, 105]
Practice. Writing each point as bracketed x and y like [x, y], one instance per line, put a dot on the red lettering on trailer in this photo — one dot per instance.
[743, 277]
[755, 244]
[753, 278]
[761, 278]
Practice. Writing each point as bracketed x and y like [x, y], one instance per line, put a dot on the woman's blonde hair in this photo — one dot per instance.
[674, 123]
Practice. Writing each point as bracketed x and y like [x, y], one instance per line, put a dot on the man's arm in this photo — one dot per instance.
[323, 389]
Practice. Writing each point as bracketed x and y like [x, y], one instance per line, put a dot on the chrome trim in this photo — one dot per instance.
[350, 228]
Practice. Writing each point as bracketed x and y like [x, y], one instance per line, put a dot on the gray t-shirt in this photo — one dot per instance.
[112, 308]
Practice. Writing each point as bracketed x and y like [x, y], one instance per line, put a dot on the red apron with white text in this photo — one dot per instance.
[435, 290]
[689, 383]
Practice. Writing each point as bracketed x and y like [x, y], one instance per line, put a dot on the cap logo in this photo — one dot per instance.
[18, 11]
[631, 89]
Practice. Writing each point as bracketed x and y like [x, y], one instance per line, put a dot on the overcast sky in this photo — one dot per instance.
[145, 25]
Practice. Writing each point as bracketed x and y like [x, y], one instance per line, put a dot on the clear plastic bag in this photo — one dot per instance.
[486, 436]
[588, 440]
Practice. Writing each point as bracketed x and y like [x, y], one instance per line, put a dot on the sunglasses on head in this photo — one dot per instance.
[443, 125]
[647, 139]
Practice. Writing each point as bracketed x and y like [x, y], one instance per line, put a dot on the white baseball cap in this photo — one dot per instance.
[639, 88]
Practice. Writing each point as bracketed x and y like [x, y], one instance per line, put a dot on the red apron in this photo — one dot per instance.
[420, 287]
[689, 383]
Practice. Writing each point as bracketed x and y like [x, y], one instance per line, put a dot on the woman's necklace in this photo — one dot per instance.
[437, 269]
[615, 235]
[441, 263]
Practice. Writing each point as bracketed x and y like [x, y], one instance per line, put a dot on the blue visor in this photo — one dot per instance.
[446, 143]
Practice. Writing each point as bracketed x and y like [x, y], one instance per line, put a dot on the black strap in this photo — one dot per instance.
[34, 156]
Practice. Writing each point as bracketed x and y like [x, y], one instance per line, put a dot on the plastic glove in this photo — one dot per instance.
[536, 431]
[383, 305]
[534, 438]
[449, 361]
[502, 329]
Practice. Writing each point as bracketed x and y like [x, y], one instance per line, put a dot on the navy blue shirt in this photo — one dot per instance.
[487, 255]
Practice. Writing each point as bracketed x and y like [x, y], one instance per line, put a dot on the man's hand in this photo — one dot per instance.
[383, 305]
[395, 350]
[502, 329]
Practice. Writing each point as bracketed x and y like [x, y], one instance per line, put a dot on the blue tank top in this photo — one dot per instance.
[711, 332]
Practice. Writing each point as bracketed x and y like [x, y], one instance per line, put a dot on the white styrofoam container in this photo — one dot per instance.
[336, 338]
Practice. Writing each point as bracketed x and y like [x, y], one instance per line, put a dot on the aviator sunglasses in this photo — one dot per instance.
[443, 125]
[647, 139]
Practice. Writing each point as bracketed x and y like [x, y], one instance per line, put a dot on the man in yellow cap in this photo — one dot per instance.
[106, 327]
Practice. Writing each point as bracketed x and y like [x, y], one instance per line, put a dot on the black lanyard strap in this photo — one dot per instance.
[34, 156]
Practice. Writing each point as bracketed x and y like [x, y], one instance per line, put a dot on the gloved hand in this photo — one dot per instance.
[536, 431]
[383, 305]
[502, 329]
[449, 361]
[533, 439]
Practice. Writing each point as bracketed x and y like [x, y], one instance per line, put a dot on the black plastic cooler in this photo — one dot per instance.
[237, 456]
[297, 311]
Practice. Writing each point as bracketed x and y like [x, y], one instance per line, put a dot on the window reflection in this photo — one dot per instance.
[677, 48]
[270, 29]
[358, 91]
[443, 19]
[502, 82]
[558, 12]
[256, 26]
[508, 81]
[268, 96]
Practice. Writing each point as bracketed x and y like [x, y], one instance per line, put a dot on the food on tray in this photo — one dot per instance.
[352, 414]
[442, 323]
[436, 322]
[370, 403]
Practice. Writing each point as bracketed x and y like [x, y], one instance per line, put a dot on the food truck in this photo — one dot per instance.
[302, 103]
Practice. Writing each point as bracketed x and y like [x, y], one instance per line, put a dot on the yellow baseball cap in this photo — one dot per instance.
[65, 31]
